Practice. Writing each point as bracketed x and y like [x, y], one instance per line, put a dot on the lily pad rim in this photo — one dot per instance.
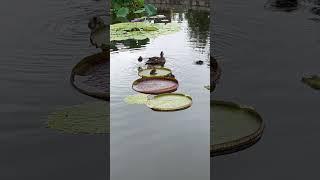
[241, 143]
[164, 90]
[163, 68]
[176, 94]
[84, 62]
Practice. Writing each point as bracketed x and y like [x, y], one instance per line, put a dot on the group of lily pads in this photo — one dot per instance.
[156, 86]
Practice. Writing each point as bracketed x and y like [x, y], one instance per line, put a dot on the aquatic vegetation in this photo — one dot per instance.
[160, 72]
[155, 85]
[91, 75]
[312, 81]
[233, 127]
[125, 10]
[169, 102]
[137, 99]
[140, 30]
[89, 118]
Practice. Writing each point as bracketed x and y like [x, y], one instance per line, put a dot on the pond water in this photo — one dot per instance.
[145, 144]
[41, 41]
[264, 49]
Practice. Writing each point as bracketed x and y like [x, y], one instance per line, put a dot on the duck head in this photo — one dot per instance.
[96, 23]
[161, 54]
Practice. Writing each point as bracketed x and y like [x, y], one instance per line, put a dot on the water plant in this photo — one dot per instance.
[233, 127]
[89, 118]
[126, 10]
[312, 81]
[140, 30]
[136, 99]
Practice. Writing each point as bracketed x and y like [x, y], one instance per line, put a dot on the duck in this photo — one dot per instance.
[140, 59]
[157, 60]
[199, 62]
[98, 35]
[153, 71]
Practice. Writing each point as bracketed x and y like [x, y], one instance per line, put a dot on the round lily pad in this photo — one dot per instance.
[89, 118]
[312, 81]
[159, 72]
[233, 127]
[91, 75]
[169, 102]
[155, 85]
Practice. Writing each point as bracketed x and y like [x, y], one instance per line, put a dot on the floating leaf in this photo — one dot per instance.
[160, 72]
[136, 99]
[312, 81]
[170, 102]
[89, 118]
[233, 127]
[140, 30]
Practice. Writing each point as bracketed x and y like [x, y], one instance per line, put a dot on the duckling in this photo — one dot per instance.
[140, 59]
[157, 60]
[153, 71]
[199, 62]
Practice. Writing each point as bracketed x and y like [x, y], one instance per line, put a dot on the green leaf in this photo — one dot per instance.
[123, 12]
[150, 9]
[139, 11]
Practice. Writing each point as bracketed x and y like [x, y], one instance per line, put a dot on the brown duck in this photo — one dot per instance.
[157, 60]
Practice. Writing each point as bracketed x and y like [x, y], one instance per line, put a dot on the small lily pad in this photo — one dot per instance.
[312, 81]
[89, 118]
[169, 102]
[136, 99]
[233, 127]
[160, 72]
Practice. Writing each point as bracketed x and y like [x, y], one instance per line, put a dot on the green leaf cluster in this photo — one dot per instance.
[126, 10]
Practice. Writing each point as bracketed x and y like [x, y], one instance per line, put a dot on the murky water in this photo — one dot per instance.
[41, 41]
[163, 145]
[264, 49]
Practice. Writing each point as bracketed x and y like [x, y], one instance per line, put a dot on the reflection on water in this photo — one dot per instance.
[313, 6]
[265, 52]
[165, 145]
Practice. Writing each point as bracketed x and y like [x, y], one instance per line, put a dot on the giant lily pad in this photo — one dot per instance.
[155, 85]
[160, 72]
[169, 102]
[233, 127]
[91, 75]
[89, 118]
[140, 30]
[312, 81]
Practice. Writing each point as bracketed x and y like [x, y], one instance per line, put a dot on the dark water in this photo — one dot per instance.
[264, 49]
[41, 41]
[145, 144]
